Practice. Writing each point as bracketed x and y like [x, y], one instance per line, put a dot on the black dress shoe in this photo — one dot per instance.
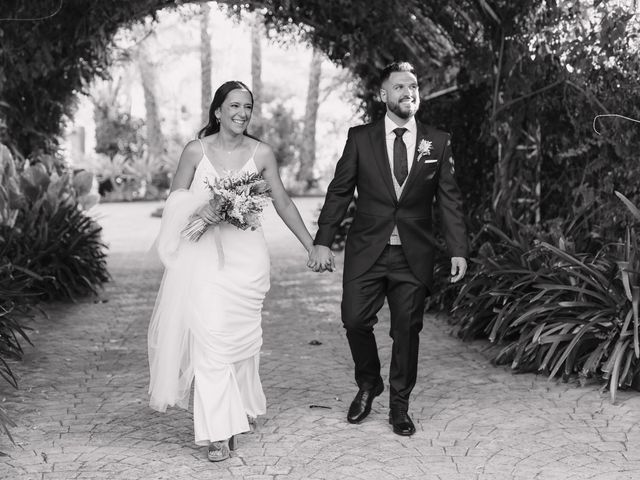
[361, 405]
[401, 422]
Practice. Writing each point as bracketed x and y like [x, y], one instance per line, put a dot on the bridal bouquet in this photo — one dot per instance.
[238, 198]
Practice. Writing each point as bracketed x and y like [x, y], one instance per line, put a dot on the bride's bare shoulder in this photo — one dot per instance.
[263, 150]
[264, 156]
[192, 153]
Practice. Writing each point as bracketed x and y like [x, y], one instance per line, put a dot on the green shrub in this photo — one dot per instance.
[14, 308]
[62, 246]
[49, 248]
[53, 237]
[557, 312]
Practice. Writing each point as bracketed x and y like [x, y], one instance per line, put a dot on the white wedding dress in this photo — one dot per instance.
[206, 325]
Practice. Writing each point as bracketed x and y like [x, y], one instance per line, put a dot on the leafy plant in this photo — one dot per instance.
[150, 173]
[282, 132]
[14, 308]
[49, 247]
[54, 238]
[558, 312]
[13, 312]
[64, 249]
[116, 132]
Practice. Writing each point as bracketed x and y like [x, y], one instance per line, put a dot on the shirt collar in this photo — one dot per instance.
[390, 125]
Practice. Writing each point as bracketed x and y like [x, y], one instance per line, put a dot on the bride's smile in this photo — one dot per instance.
[235, 112]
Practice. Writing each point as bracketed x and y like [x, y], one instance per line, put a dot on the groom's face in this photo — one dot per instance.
[401, 95]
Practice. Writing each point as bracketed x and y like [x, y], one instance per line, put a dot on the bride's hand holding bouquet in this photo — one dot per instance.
[236, 199]
[210, 212]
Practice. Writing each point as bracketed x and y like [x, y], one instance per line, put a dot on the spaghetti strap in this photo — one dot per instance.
[255, 150]
[202, 147]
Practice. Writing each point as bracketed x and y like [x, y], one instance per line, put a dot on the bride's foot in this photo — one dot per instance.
[219, 451]
[253, 424]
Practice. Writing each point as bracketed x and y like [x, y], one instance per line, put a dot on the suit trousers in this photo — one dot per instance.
[390, 277]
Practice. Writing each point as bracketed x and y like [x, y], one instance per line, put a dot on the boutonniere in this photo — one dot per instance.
[424, 148]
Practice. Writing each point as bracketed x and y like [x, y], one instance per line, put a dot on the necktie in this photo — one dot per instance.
[400, 167]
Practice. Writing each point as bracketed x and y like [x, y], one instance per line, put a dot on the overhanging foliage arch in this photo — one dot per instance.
[52, 49]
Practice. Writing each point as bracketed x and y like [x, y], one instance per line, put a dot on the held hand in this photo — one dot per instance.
[209, 214]
[458, 268]
[321, 258]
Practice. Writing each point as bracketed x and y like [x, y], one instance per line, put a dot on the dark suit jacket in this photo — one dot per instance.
[364, 165]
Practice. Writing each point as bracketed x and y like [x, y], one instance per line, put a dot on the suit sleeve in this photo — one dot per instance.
[339, 194]
[450, 204]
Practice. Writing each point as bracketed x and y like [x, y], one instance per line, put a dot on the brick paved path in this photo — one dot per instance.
[82, 404]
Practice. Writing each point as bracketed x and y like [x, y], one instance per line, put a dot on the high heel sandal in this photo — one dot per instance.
[219, 451]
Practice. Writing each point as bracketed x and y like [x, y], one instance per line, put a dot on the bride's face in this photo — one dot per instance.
[235, 112]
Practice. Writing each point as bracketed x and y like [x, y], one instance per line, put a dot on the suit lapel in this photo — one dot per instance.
[379, 148]
[421, 133]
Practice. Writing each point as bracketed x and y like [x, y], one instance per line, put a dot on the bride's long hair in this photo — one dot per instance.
[218, 98]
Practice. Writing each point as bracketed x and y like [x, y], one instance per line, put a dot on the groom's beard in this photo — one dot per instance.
[403, 110]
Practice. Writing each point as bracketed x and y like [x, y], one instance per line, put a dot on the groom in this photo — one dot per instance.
[399, 167]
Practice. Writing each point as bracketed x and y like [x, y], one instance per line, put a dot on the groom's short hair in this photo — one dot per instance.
[395, 67]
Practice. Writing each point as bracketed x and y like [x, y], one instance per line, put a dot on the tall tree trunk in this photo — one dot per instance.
[205, 63]
[148, 75]
[256, 74]
[308, 153]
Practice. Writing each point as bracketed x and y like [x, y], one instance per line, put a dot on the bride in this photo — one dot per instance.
[206, 324]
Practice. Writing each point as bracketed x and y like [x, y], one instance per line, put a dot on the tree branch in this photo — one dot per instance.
[586, 94]
[439, 93]
[530, 94]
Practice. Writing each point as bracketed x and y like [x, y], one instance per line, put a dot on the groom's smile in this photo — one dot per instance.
[408, 101]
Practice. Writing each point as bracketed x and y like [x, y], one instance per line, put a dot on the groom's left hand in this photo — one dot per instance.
[458, 268]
